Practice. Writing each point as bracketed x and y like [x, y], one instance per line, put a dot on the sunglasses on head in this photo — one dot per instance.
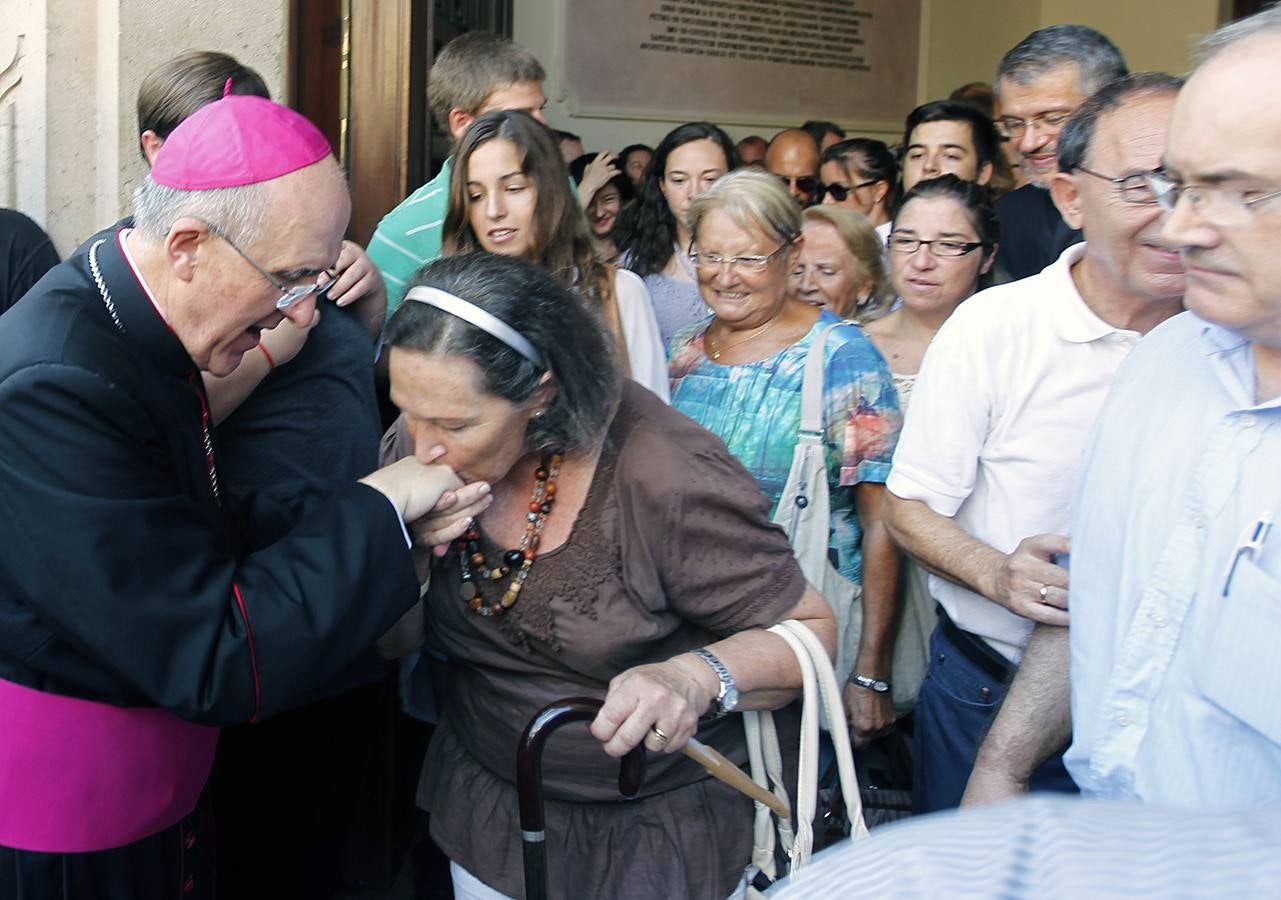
[840, 191]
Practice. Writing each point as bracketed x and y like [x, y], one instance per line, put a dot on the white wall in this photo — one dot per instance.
[69, 76]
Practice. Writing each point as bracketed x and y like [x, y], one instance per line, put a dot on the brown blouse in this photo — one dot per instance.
[673, 549]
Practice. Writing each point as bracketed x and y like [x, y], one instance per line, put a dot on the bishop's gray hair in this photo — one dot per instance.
[1097, 59]
[1264, 20]
[240, 213]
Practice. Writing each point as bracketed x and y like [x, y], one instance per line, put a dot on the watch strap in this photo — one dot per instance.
[722, 675]
[872, 684]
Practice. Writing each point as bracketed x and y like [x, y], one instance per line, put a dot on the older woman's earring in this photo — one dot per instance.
[539, 413]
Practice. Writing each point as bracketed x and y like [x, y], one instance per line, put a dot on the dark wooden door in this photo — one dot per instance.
[359, 70]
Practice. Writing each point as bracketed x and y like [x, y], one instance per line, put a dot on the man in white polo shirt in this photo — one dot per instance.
[988, 462]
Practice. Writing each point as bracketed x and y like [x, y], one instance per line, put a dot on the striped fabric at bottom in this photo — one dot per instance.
[1046, 847]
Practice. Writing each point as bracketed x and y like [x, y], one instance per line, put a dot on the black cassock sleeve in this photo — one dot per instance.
[117, 581]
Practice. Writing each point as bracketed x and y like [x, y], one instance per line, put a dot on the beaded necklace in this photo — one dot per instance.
[476, 569]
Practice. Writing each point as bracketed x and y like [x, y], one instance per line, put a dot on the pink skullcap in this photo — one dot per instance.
[240, 139]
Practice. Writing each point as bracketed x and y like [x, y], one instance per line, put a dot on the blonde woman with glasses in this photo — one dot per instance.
[740, 376]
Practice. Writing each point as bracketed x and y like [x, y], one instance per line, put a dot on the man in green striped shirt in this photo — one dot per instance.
[476, 72]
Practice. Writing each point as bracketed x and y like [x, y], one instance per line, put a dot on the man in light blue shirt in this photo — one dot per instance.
[1175, 601]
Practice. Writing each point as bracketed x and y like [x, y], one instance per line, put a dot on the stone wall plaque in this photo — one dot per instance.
[743, 60]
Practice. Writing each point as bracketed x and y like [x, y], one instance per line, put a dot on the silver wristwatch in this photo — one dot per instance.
[727, 694]
[872, 684]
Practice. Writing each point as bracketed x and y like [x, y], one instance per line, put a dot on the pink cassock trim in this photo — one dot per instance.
[78, 776]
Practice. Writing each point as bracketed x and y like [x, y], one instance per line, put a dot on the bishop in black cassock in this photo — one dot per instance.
[138, 609]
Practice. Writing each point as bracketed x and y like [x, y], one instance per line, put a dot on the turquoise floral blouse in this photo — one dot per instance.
[755, 408]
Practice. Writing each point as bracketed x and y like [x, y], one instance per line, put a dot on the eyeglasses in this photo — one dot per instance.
[713, 261]
[1221, 206]
[840, 191]
[289, 295]
[805, 183]
[1132, 188]
[901, 243]
[1050, 121]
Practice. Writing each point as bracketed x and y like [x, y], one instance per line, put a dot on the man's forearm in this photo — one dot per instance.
[1034, 722]
[942, 546]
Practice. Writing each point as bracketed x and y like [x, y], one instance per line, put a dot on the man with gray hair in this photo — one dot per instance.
[1040, 82]
[1008, 391]
[141, 606]
[1176, 575]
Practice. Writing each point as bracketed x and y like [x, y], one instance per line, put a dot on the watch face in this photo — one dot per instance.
[729, 702]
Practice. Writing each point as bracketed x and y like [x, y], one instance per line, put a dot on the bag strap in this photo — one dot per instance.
[838, 726]
[812, 387]
[821, 696]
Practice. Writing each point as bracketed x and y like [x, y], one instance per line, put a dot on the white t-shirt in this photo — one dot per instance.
[640, 332]
[1005, 400]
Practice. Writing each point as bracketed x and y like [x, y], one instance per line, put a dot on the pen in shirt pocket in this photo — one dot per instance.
[1251, 542]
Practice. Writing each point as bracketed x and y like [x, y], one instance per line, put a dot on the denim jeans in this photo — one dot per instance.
[957, 702]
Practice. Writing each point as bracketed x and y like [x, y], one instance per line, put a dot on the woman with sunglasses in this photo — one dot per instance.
[509, 195]
[651, 233]
[860, 174]
[740, 376]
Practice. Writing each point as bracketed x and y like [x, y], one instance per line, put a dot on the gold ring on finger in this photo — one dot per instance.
[658, 733]
[1045, 592]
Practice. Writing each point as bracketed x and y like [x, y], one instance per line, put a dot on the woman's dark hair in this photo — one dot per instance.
[867, 159]
[975, 200]
[557, 216]
[570, 337]
[646, 230]
[627, 151]
[578, 168]
[177, 88]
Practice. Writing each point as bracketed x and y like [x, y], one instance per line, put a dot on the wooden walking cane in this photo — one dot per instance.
[720, 767]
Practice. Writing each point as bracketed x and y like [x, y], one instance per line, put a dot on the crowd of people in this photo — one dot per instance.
[1059, 561]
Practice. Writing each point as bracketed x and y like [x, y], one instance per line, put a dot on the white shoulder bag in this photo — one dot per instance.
[804, 512]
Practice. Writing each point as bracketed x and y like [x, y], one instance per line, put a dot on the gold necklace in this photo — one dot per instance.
[716, 354]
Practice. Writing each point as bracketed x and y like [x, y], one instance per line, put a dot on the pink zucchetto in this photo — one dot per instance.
[240, 139]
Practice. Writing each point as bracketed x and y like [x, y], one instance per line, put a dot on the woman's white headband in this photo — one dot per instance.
[482, 319]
